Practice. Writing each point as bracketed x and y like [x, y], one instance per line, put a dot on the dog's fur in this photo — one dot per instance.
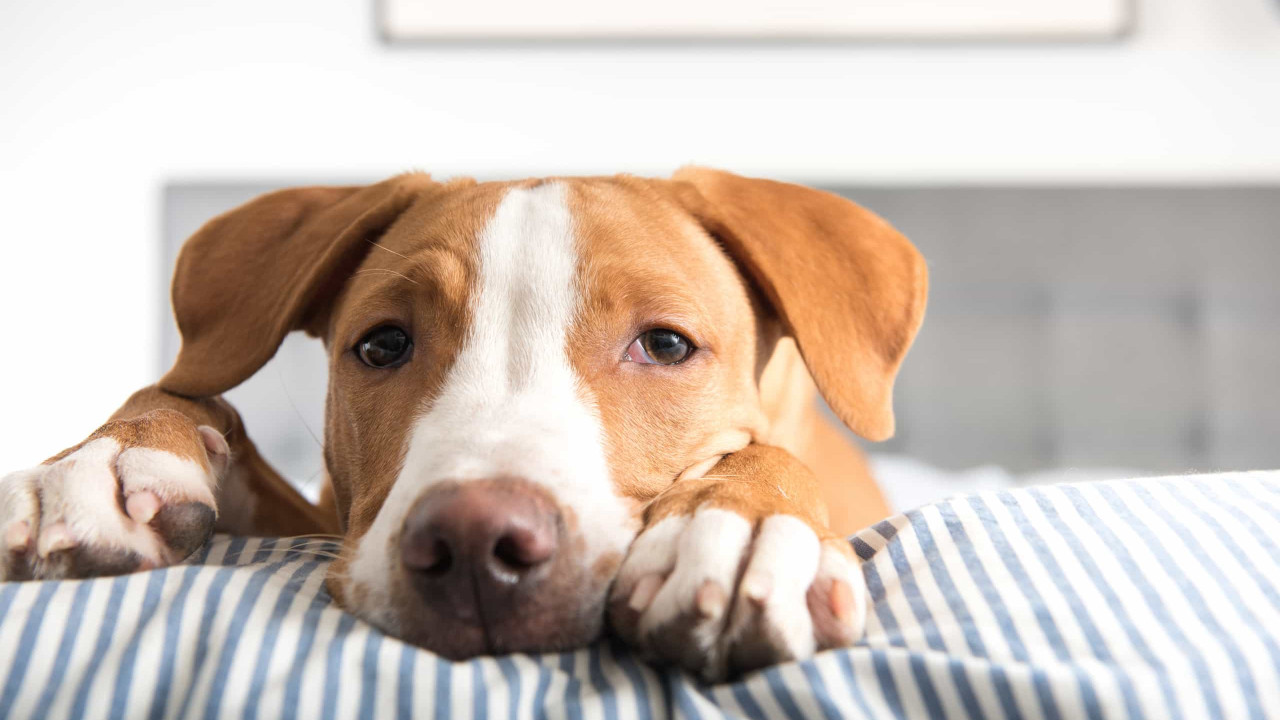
[686, 494]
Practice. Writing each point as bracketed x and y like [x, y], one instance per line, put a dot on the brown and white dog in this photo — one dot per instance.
[550, 402]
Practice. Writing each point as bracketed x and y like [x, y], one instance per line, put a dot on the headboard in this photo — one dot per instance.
[1132, 327]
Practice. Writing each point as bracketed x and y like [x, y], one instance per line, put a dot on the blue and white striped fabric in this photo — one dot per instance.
[1130, 599]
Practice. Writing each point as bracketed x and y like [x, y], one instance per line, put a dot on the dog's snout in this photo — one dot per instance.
[472, 549]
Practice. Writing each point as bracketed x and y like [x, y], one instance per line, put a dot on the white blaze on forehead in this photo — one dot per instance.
[512, 405]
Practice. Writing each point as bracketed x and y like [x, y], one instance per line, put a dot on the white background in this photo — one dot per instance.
[101, 104]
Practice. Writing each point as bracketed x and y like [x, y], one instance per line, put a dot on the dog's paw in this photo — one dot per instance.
[137, 494]
[720, 594]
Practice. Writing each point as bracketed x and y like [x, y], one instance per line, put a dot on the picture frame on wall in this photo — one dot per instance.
[923, 20]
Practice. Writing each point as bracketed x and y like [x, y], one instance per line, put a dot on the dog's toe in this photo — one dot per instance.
[103, 511]
[19, 520]
[719, 595]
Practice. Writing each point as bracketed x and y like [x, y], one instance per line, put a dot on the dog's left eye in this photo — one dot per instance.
[660, 347]
[384, 347]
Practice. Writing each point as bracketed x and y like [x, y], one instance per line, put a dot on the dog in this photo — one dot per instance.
[553, 406]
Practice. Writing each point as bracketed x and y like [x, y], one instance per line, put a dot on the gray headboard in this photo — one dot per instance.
[1067, 327]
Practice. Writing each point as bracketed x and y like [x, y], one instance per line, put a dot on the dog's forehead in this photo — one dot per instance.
[636, 242]
[616, 221]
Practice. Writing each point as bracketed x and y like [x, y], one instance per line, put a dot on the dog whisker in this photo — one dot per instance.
[384, 247]
[311, 480]
[289, 396]
[315, 553]
[323, 544]
[387, 270]
[318, 543]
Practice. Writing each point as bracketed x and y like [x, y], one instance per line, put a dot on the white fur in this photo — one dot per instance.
[18, 504]
[785, 560]
[654, 552]
[171, 478]
[709, 550]
[782, 561]
[512, 405]
[81, 493]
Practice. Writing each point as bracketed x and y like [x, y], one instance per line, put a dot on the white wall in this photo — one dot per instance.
[102, 103]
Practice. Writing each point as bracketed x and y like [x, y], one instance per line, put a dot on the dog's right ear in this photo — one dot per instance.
[269, 267]
[847, 286]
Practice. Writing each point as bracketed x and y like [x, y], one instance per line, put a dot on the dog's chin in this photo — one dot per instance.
[520, 633]
[571, 617]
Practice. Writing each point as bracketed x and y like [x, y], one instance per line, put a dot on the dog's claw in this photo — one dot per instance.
[711, 600]
[757, 586]
[56, 538]
[842, 602]
[644, 592]
[17, 537]
[142, 506]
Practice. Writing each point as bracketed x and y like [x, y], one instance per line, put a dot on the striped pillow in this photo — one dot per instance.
[1146, 599]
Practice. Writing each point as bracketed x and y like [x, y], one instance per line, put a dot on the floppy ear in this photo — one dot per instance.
[254, 274]
[848, 287]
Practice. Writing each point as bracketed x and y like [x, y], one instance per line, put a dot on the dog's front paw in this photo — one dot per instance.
[723, 591]
[137, 494]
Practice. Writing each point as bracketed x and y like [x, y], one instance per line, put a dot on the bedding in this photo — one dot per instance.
[1153, 598]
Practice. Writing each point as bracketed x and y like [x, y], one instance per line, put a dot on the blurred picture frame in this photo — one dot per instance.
[747, 20]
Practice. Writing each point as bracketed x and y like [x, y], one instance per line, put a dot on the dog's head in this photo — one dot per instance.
[516, 368]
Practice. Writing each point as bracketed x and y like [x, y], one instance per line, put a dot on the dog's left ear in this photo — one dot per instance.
[271, 266]
[848, 287]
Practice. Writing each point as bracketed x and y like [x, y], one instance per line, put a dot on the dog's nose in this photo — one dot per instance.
[472, 549]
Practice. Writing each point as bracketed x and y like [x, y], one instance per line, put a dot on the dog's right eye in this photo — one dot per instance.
[385, 347]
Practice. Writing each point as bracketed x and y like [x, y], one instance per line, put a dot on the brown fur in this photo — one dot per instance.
[157, 429]
[423, 280]
[646, 263]
[790, 399]
[848, 287]
[734, 263]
